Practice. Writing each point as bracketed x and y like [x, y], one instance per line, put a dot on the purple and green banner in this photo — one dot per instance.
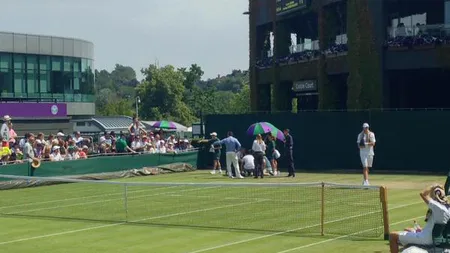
[28, 110]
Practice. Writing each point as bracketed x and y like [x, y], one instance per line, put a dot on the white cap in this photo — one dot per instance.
[55, 148]
[186, 140]
[365, 125]
[60, 134]
[213, 134]
[6, 118]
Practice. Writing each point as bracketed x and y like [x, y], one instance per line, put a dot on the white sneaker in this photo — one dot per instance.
[364, 182]
[231, 177]
[220, 172]
[241, 177]
[213, 172]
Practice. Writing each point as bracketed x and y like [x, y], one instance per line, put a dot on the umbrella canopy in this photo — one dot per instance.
[259, 128]
[164, 124]
[278, 134]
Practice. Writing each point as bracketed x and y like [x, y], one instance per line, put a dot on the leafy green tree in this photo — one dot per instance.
[103, 80]
[123, 75]
[191, 76]
[241, 101]
[162, 93]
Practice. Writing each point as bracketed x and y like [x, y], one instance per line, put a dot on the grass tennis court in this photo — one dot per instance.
[91, 218]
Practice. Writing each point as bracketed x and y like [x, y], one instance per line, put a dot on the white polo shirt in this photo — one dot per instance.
[259, 147]
[370, 137]
[249, 162]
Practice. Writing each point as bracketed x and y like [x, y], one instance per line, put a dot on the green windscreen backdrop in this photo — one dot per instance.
[406, 140]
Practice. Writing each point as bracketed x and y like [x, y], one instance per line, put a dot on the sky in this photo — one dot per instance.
[136, 33]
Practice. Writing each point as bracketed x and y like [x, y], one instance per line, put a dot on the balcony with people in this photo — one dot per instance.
[305, 52]
[419, 36]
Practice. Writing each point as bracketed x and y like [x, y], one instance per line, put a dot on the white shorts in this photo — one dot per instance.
[408, 238]
[366, 160]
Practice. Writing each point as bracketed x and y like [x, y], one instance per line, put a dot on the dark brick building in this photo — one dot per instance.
[349, 54]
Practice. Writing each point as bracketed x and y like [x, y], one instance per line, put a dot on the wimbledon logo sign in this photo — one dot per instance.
[54, 109]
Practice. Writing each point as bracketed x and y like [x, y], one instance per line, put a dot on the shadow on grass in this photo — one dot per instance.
[312, 232]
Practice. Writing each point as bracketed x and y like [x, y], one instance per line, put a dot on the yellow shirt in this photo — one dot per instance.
[5, 151]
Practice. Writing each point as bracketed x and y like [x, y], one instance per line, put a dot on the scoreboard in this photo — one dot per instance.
[284, 6]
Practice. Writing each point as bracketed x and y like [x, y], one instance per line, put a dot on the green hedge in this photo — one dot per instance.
[365, 80]
[328, 91]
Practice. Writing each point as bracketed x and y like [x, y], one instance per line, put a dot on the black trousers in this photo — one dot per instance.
[259, 161]
[290, 161]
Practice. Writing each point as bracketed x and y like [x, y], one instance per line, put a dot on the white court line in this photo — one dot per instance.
[123, 223]
[86, 197]
[108, 200]
[345, 236]
[293, 230]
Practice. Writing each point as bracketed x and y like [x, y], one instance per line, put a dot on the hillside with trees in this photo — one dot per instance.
[166, 92]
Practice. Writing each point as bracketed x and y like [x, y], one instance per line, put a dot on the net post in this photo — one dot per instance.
[384, 206]
[125, 201]
[322, 211]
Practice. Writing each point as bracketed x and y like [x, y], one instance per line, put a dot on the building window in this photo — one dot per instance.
[32, 77]
[19, 74]
[19, 81]
[56, 76]
[68, 75]
[5, 61]
[5, 73]
[44, 78]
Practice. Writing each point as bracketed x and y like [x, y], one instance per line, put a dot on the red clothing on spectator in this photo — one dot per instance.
[82, 155]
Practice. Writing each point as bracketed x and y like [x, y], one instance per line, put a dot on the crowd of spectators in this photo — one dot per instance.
[302, 56]
[403, 37]
[62, 146]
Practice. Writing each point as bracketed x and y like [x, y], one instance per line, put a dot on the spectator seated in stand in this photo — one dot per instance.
[56, 156]
[137, 144]
[83, 152]
[5, 152]
[122, 146]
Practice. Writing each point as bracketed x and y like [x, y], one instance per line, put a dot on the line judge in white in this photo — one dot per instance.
[366, 141]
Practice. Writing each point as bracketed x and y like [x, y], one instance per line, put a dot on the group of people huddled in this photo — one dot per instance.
[60, 147]
[259, 161]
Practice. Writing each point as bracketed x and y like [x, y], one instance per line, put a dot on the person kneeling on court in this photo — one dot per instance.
[438, 213]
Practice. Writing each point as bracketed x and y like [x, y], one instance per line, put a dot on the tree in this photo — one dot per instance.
[123, 75]
[241, 101]
[191, 76]
[162, 94]
[103, 79]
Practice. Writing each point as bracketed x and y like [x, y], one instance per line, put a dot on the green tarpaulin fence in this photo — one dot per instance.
[101, 164]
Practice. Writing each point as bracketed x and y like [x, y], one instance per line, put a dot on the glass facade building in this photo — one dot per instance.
[43, 68]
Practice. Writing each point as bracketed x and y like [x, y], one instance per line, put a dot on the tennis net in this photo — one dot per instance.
[285, 208]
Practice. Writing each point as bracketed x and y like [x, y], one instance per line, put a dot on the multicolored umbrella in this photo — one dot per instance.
[278, 134]
[164, 124]
[259, 128]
